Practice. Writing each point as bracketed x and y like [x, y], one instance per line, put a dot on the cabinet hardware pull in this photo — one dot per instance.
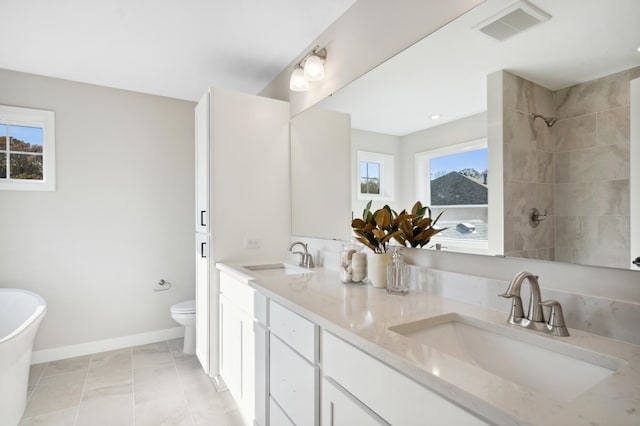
[202, 250]
[202, 212]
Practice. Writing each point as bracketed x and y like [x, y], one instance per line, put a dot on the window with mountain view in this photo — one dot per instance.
[26, 149]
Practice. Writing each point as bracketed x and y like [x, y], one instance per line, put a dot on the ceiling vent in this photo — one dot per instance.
[512, 20]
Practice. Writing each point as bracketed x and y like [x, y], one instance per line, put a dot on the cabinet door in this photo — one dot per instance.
[261, 335]
[247, 368]
[277, 417]
[202, 164]
[292, 383]
[341, 409]
[231, 348]
[202, 301]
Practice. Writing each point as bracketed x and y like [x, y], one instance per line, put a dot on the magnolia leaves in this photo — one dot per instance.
[375, 230]
[420, 230]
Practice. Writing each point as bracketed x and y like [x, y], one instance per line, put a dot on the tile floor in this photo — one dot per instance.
[155, 384]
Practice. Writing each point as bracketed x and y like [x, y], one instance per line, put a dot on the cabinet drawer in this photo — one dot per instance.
[242, 296]
[293, 383]
[296, 331]
[341, 409]
[277, 417]
[390, 394]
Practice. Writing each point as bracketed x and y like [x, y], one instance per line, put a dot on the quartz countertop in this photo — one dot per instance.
[362, 315]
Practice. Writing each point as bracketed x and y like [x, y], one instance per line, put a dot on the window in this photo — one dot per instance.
[27, 149]
[369, 178]
[375, 176]
[454, 179]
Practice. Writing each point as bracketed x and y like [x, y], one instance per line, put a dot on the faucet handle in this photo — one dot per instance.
[556, 318]
[309, 261]
[517, 313]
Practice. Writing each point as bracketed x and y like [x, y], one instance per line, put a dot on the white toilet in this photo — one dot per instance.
[184, 313]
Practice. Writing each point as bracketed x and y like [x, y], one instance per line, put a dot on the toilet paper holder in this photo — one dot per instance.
[162, 285]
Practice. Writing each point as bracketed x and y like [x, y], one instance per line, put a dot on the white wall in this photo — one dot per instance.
[321, 140]
[120, 220]
[250, 176]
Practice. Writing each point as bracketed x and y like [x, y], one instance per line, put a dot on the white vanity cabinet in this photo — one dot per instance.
[294, 374]
[373, 387]
[243, 346]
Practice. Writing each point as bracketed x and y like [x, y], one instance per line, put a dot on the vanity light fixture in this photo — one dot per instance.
[298, 83]
[310, 68]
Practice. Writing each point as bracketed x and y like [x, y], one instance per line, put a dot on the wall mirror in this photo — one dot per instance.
[519, 119]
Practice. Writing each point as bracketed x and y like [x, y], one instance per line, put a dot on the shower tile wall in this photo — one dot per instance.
[592, 165]
[528, 168]
[578, 170]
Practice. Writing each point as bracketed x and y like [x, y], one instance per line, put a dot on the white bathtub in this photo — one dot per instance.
[20, 314]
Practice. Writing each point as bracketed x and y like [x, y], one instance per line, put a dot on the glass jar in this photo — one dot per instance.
[397, 277]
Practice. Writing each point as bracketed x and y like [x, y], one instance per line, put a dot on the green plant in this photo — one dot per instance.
[418, 230]
[376, 229]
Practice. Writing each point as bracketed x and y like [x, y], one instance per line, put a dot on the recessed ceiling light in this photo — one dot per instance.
[638, 49]
[435, 116]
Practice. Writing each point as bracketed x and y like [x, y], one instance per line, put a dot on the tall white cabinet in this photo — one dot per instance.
[202, 233]
[242, 198]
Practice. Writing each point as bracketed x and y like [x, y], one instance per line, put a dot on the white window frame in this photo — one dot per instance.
[387, 174]
[423, 192]
[45, 120]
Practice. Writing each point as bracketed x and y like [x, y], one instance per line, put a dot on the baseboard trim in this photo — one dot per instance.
[70, 351]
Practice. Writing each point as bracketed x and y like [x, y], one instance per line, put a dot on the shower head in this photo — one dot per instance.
[549, 121]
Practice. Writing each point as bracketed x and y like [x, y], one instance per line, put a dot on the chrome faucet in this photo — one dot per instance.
[306, 259]
[535, 316]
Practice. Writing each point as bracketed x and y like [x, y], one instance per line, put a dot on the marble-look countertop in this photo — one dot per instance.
[362, 315]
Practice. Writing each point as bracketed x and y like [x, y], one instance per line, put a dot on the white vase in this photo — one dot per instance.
[377, 269]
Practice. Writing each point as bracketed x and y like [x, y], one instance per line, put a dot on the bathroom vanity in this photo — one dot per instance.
[317, 351]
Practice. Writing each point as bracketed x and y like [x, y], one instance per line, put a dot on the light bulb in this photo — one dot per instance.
[314, 68]
[298, 82]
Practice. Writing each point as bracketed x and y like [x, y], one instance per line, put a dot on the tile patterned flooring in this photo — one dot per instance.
[150, 385]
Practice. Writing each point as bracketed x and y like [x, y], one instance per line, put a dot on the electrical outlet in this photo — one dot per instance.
[252, 243]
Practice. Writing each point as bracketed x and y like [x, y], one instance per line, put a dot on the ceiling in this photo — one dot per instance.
[446, 72]
[163, 47]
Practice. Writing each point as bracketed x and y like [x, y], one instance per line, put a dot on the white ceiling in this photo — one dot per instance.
[446, 72]
[164, 47]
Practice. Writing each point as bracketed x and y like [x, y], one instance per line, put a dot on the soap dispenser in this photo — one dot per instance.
[397, 281]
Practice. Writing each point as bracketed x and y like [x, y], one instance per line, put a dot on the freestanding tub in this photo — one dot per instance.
[20, 314]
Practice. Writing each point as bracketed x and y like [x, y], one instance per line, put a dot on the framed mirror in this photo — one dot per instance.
[548, 87]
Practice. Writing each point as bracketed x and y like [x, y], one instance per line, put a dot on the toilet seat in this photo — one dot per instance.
[188, 307]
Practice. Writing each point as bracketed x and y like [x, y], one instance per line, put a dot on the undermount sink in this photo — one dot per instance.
[557, 370]
[276, 269]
